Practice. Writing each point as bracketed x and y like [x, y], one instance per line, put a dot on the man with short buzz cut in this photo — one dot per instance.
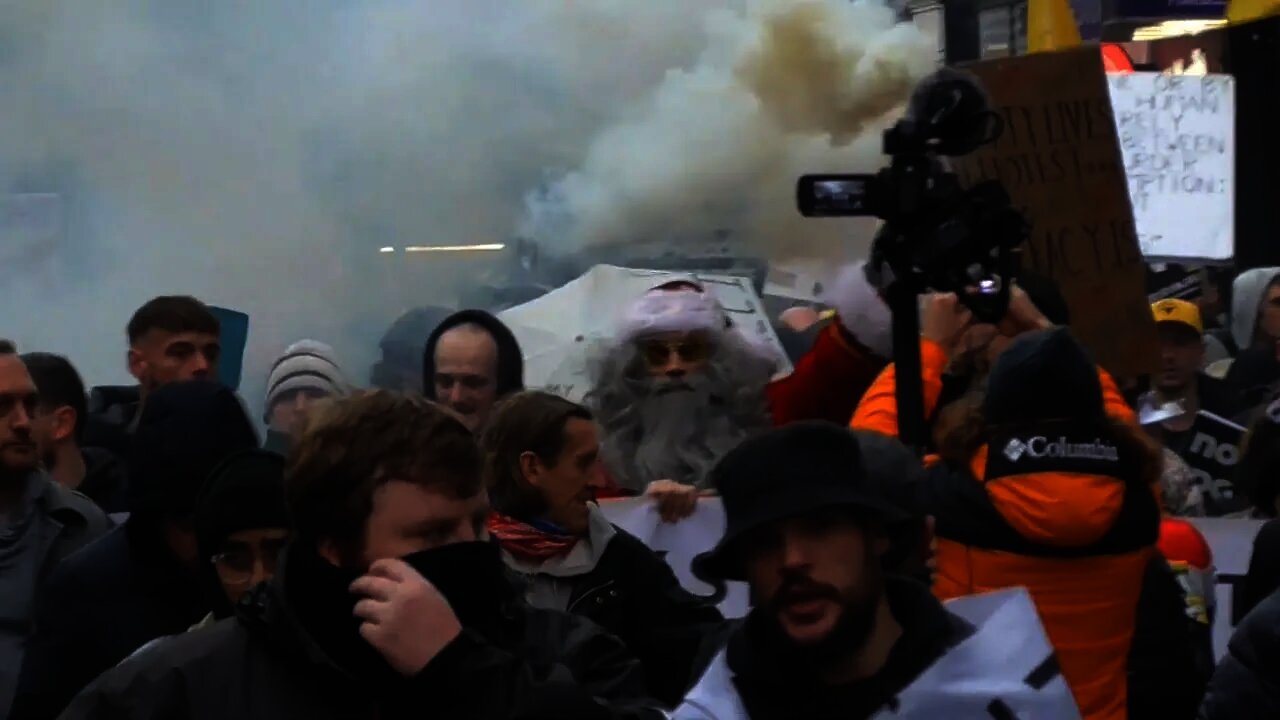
[59, 428]
[41, 521]
[471, 361]
[388, 601]
[172, 338]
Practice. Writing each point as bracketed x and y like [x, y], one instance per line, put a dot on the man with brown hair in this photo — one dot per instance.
[387, 602]
[172, 338]
[542, 466]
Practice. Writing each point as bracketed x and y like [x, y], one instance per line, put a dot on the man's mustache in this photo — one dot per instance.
[800, 589]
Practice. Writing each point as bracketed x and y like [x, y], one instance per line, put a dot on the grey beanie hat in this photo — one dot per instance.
[306, 365]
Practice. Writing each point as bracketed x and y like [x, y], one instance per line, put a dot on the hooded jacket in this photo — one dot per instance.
[245, 492]
[106, 481]
[293, 651]
[401, 348]
[1255, 370]
[510, 374]
[1065, 507]
[1247, 293]
[127, 589]
[614, 580]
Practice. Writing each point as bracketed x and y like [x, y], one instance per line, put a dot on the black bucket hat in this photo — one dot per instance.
[801, 468]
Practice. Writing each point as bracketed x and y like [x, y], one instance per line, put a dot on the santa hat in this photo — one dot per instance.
[681, 304]
[675, 305]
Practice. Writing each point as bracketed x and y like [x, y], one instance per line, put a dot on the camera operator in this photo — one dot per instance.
[1042, 479]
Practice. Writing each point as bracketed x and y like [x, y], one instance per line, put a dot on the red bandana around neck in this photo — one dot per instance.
[526, 542]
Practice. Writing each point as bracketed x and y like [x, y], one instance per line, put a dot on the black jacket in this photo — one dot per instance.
[1246, 685]
[113, 412]
[282, 659]
[99, 605]
[106, 482]
[1171, 656]
[633, 594]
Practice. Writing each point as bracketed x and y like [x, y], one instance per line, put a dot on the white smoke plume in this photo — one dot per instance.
[784, 87]
[257, 154]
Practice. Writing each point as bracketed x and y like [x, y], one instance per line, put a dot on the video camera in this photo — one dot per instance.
[936, 235]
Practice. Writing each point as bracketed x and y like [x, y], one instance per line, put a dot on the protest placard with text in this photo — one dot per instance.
[1060, 161]
[1177, 137]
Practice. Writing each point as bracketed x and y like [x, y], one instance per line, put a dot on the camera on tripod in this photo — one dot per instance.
[937, 236]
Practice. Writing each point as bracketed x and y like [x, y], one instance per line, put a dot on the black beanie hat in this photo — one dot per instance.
[1043, 375]
[510, 359]
[185, 431]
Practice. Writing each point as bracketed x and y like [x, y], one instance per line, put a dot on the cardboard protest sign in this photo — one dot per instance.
[1059, 159]
[559, 331]
[1177, 137]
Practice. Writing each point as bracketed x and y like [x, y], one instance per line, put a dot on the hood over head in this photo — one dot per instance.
[185, 431]
[510, 358]
[245, 492]
[1246, 297]
[1043, 375]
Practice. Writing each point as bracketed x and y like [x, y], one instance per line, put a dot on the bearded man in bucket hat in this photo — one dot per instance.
[816, 517]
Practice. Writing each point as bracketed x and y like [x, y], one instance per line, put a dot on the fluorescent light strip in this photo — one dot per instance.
[446, 248]
[454, 248]
[1175, 28]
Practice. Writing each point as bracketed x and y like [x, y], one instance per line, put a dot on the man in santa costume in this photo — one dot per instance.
[681, 384]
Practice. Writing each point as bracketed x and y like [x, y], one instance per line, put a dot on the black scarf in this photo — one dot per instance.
[470, 575]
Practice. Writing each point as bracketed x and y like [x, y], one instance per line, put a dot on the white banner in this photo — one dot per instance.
[1177, 138]
[680, 542]
[560, 330]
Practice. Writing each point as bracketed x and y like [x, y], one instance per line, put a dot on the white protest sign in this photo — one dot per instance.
[680, 542]
[1005, 669]
[1231, 541]
[559, 331]
[1177, 137]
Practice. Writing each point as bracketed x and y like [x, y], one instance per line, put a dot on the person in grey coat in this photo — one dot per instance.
[41, 522]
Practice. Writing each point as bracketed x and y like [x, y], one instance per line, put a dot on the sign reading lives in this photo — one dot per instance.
[1059, 159]
[1177, 136]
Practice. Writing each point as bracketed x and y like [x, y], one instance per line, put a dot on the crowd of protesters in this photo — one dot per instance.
[434, 544]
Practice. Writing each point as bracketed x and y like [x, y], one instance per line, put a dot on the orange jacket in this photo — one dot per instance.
[1054, 507]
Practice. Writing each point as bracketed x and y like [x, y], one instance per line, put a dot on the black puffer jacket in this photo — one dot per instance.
[1246, 685]
[284, 658]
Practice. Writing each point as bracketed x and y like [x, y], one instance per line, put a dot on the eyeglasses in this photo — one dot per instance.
[237, 564]
[690, 350]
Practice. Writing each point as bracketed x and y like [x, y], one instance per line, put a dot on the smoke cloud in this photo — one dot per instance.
[258, 154]
[784, 87]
